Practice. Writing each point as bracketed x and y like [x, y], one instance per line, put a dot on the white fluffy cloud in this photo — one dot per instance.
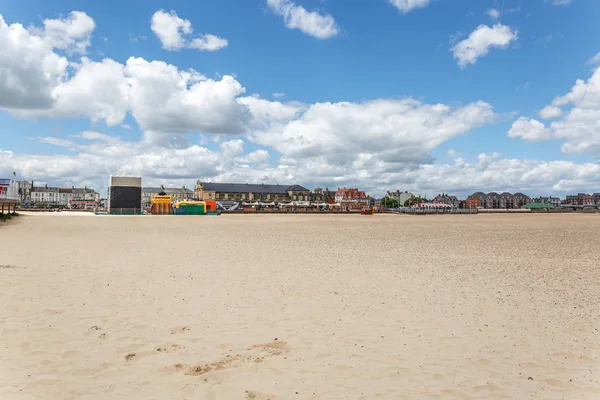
[404, 6]
[170, 29]
[175, 33]
[166, 99]
[96, 90]
[267, 113]
[28, 67]
[71, 34]
[390, 132]
[529, 130]
[98, 156]
[550, 112]
[256, 157]
[313, 23]
[481, 40]
[579, 125]
[493, 13]
[162, 98]
[97, 159]
[493, 173]
[208, 42]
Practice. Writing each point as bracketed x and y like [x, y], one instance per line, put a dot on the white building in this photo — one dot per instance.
[24, 188]
[9, 191]
[63, 196]
[399, 196]
[555, 201]
[45, 194]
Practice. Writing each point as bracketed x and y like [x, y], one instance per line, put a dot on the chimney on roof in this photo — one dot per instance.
[46, 186]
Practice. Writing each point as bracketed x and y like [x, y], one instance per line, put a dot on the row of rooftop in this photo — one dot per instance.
[26, 191]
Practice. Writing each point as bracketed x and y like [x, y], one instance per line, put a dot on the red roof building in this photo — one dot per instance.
[351, 194]
[352, 198]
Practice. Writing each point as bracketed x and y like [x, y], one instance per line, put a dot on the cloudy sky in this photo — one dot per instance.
[422, 95]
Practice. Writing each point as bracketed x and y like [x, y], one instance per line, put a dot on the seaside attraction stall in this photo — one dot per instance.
[208, 207]
[162, 205]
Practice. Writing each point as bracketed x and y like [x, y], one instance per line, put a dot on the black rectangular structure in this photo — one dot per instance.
[125, 200]
[125, 195]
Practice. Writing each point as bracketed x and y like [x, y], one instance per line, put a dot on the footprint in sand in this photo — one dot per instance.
[252, 395]
[253, 354]
[49, 311]
[180, 329]
[168, 349]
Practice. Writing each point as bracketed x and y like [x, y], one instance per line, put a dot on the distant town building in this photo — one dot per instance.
[580, 199]
[446, 199]
[473, 201]
[62, 196]
[494, 200]
[555, 201]
[352, 198]
[244, 192]
[24, 188]
[400, 197]
[520, 199]
[596, 198]
[320, 196]
[476, 200]
[178, 194]
[45, 194]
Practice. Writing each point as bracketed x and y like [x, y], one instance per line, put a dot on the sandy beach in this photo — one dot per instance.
[300, 307]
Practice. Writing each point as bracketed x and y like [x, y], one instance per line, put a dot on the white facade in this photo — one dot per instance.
[48, 195]
[555, 201]
[400, 197]
[24, 188]
[9, 191]
[54, 195]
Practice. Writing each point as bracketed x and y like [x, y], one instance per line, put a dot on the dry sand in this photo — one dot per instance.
[300, 307]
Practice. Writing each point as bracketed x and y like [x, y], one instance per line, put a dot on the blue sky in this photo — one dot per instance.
[359, 81]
